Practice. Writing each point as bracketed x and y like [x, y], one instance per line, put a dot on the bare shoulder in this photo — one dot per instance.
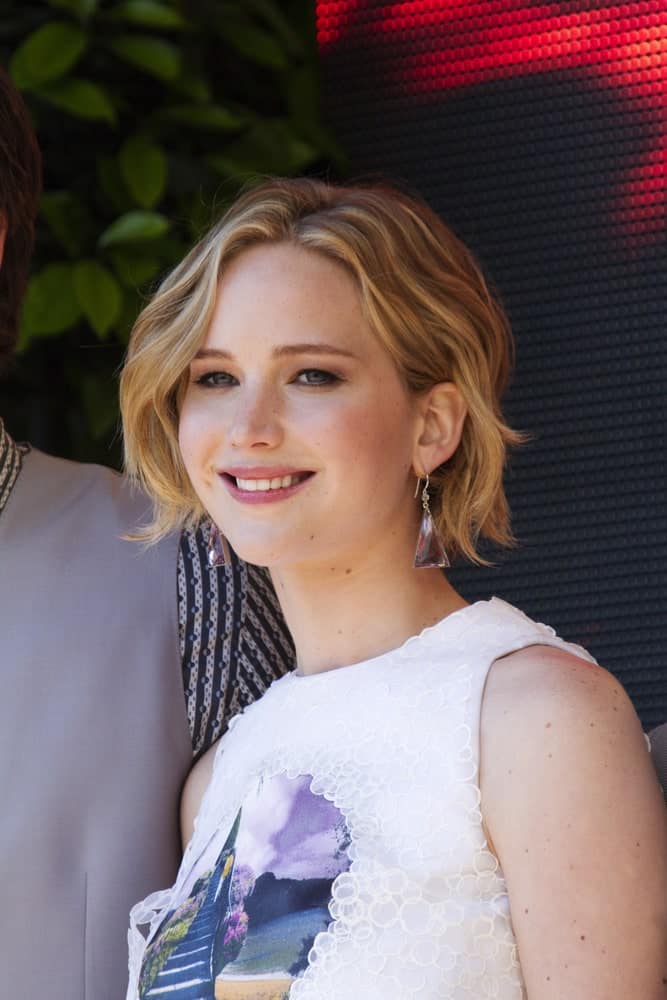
[195, 785]
[544, 691]
[550, 718]
[568, 789]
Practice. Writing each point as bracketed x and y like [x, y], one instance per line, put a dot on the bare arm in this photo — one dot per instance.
[576, 817]
[195, 785]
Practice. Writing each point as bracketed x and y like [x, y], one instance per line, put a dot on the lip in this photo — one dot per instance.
[254, 497]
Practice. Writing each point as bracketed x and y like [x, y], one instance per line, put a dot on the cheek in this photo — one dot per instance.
[373, 435]
[195, 434]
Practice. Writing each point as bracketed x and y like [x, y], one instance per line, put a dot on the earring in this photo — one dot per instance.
[217, 549]
[430, 551]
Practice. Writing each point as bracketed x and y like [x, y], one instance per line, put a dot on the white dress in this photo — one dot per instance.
[339, 852]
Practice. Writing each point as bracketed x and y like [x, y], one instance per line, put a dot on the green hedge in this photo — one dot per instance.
[151, 114]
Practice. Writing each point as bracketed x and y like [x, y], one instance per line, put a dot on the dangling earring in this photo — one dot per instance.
[430, 551]
[217, 550]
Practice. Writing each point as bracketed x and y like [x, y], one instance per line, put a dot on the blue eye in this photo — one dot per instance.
[316, 376]
[215, 380]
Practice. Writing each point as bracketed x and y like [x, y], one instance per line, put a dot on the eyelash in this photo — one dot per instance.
[208, 380]
[330, 378]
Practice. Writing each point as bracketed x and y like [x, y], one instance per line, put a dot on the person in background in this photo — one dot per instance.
[444, 801]
[118, 667]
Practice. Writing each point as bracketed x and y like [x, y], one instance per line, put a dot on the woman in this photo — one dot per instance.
[443, 800]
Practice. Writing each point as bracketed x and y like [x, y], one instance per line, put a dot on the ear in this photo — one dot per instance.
[443, 414]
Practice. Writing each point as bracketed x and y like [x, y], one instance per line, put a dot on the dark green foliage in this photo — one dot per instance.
[151, 114]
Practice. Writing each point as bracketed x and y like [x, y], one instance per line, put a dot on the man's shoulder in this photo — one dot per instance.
[86, 493]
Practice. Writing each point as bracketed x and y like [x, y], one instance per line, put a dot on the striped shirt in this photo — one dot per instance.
[233, 639]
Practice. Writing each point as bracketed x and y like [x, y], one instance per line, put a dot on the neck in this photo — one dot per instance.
[342, 616]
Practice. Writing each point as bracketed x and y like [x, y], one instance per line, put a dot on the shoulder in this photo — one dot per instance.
[557, 732]
[543, 694]
[195, 785]
[541, 676]
[567, 789]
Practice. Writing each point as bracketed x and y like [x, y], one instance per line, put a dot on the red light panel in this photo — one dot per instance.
[439, 47]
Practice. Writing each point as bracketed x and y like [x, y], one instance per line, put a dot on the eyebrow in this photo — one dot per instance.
[285, 350]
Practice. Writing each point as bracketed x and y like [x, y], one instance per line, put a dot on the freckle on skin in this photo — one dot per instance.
[347, 572]
[583, 937]
[548, 725]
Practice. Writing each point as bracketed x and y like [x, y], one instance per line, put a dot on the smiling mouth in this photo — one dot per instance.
[267, 485]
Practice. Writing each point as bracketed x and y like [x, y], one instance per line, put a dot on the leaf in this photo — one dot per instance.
[269, 147]
[50, 303]
[112, 185]
[193, 85]
[279, 23]
[134, 227]
[212, 117]
[46, 54]
[100, 403]
[81, 98]
[98, 294]
[134, 268]
[253, 43]
[153, 55]
[68, 219]
[143, 167]
[150, 14]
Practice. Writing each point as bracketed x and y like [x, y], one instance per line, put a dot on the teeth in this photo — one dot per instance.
[278, 483]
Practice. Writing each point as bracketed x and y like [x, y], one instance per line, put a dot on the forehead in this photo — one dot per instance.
[281, 284]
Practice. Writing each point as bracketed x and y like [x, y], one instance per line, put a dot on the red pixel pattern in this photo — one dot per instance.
[448, 45]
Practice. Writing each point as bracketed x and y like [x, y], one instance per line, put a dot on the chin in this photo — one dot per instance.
[250, 551]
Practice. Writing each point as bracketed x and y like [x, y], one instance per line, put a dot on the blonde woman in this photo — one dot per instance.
[443, 800]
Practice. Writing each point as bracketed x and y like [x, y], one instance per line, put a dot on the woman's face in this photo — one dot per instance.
[296, 430]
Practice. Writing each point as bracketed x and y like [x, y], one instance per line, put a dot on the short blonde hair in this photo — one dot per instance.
[423, 295]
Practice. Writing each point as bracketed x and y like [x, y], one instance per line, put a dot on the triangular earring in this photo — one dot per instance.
[217, 549]
[430, 552]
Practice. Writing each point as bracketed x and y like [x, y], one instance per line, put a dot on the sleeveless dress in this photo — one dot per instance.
[339, 851]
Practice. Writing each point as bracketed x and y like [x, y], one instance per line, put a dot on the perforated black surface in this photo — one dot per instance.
[554, 172]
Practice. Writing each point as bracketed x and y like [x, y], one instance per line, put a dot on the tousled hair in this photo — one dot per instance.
[20, 188]
[423, 295]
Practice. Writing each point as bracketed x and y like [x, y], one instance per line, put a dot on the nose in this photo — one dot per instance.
[256, 420]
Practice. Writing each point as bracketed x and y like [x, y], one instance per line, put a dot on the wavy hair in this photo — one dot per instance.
[423, 295]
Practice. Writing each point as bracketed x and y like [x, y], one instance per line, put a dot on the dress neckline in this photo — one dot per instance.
[444, 624]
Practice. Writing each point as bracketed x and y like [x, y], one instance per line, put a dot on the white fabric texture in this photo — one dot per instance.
[393, 743]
